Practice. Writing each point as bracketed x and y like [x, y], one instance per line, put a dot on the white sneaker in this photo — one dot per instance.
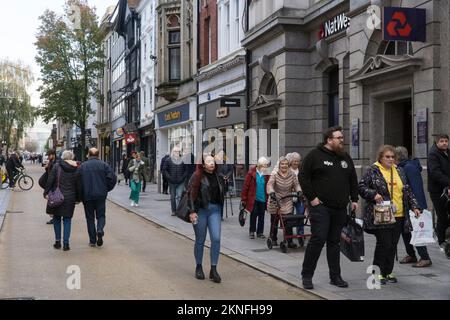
[136, 205]
[132, 203]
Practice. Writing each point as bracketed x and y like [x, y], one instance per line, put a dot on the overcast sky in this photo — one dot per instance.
[18, 28]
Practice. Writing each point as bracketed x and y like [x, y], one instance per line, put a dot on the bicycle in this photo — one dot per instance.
[24, 181]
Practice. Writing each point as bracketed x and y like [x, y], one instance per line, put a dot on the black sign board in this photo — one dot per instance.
[231, 103]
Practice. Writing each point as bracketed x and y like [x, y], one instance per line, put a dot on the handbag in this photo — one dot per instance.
[43, 180]
[383, 213]
[352, 239]
[182, 210]
[56, 198]
[243, 213]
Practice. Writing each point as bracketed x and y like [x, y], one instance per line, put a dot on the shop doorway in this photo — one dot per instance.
[398, 118]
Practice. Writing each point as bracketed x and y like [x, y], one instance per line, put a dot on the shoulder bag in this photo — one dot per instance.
[56, 198]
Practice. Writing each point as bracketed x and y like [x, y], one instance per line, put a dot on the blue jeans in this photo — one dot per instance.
[176, 190]
[67, 228]
[300, 209]
[208, 219]
[95, 209]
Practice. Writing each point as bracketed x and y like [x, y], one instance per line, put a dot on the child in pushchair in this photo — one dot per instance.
[287, 222]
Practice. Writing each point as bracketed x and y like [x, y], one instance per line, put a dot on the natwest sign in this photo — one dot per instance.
[334, 25]
[404, 24]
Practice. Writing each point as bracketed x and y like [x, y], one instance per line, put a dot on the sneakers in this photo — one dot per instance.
[307, 283]
[391, 278]
[92, 245]
[338, 282]
[252, 235]
[382, 279]
[261, 236]
[408, 259]
[50, 221]
[99, 239]
[132, 203]
[422, 264]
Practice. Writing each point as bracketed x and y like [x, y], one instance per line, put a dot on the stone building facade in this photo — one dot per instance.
[381, 92]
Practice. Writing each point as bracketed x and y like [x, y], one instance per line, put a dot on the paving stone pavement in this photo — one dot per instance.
[431, 283]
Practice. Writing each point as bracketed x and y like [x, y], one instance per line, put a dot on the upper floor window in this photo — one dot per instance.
[174, 47]
[395, 48]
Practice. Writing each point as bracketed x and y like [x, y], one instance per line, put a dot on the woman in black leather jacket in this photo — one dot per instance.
[206, 190]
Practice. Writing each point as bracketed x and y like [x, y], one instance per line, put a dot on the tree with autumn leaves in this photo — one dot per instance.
[16, 112]
[71, 59]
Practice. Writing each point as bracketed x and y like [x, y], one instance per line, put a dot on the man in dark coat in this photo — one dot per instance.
[51, 154]
[438, 179]
[176, 173]
[97, 179]
[165, 182]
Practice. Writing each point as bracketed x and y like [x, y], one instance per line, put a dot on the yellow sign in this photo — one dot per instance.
[172, 115]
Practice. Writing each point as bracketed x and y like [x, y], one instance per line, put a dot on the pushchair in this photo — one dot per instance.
[288, 221]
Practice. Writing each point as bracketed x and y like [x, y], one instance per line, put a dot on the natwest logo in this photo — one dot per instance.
[404, 24]
[334, 25]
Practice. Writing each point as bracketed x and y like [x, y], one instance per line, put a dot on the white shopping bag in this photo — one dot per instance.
[422, 233]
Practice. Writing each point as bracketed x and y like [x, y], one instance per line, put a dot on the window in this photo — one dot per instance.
[174, 55]
[227, 27]
[395, 48]
[208, 36]
[236, 37]
[333, 97]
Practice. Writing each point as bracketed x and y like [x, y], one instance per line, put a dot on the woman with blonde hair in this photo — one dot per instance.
[385, 183]
[282, 182]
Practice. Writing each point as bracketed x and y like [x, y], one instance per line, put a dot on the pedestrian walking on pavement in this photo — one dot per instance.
[282, 182]
[254, 196]
[124, 168]
[64, 175]
[136, 169]
[294, 163]
[206, 191]
[176, 174]
[97, 179]
[438, 179]
[51, 154]
[165, 186]
[384, 182]
[413, 169]
[329, 182]
[146, 171]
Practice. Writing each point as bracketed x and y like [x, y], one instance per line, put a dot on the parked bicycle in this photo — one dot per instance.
[22, 179]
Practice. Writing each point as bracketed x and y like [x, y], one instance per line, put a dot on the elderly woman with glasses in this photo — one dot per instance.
[386, 183]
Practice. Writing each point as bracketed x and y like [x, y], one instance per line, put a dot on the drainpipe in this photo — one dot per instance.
[248, 57]
[196, 82]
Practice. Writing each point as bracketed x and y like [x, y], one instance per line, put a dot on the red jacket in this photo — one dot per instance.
[248, 194]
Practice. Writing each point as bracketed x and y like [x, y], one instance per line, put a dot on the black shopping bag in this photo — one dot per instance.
[182, 211]
[352, 240]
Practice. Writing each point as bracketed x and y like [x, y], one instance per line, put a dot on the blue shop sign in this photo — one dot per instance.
[174, 116]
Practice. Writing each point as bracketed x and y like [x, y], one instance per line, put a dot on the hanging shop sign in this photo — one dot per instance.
[230, 103]
[130, 138]
[222, 112]
[334, 25]
[404, 24]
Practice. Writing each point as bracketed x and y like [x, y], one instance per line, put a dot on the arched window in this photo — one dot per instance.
[395, 48]
[268, 85]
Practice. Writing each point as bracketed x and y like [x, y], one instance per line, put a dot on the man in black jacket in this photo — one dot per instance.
[438, 179]
[328, 180]
[97, 179]
[162, 167]
[176, 174]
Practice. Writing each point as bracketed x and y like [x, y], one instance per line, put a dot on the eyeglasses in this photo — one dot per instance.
[389, 157]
